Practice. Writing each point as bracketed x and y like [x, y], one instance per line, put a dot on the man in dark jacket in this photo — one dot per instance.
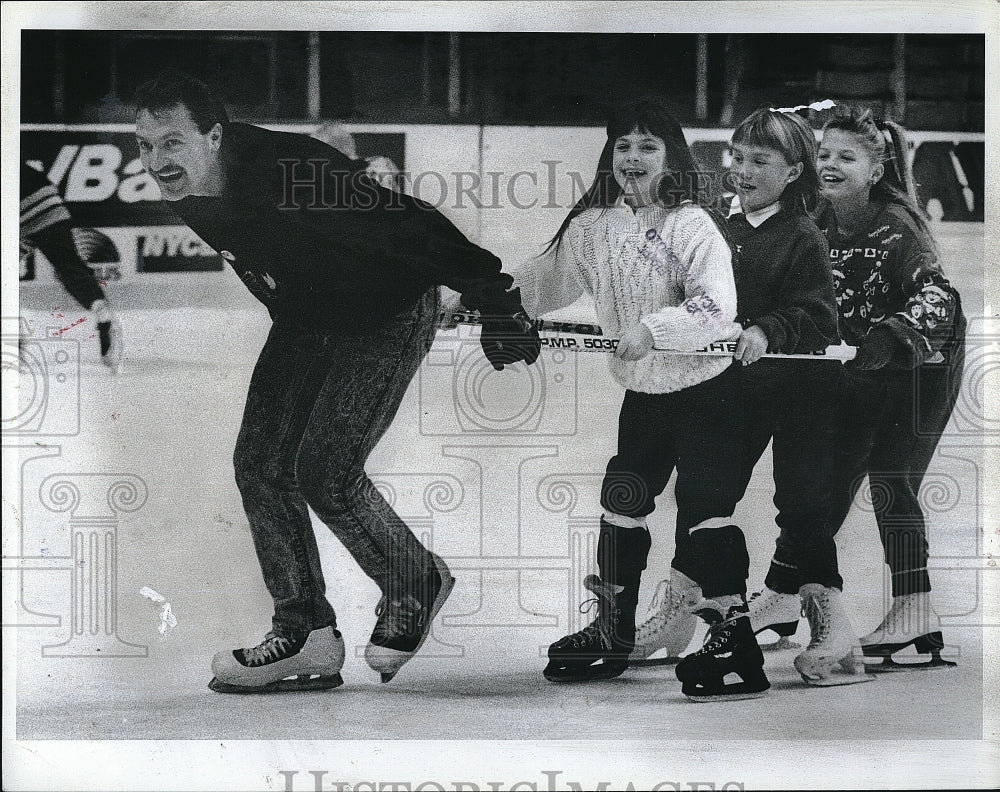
[349, 273]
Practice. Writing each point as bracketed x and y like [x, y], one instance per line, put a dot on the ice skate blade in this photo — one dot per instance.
[583, 673]
[780, 645]
[289, 685]
[726, 697]
[647, 662]
[890, 666]
[837, 679]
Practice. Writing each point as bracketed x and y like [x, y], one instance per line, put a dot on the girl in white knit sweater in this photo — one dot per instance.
[659, 269]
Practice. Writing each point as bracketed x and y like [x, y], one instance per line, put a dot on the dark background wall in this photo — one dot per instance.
[926, 81]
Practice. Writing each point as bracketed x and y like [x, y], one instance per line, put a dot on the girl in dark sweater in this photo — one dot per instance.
[786, 304]
[898, 308]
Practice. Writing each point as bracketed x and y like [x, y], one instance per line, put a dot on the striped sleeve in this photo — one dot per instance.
[41, 205]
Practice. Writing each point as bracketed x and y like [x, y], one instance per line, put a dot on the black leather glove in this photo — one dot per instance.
[109, 331]
[506, 339]
[875, 351]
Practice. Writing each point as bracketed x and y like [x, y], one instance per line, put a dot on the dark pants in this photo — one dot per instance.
[697, 431]
[889, 426]
[792, 405]
[318, 402]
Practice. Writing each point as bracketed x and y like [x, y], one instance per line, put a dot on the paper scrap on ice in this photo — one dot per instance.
[148, 593]
[167, 619]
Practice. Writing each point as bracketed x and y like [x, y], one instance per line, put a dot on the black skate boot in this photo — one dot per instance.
[730, 648]
[601, 649]
[404, 620]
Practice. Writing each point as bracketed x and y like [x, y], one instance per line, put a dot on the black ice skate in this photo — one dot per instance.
[730, 648]
[404, 620]
[282, 663]
[911, 621]
[601, 649]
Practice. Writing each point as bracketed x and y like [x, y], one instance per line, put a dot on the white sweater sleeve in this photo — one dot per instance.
[552, 280]
[706, 315]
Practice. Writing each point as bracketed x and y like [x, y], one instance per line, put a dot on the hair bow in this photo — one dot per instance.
[825, 104]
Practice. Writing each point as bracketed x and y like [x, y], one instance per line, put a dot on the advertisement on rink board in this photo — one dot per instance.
[480, 181]
[123, 226]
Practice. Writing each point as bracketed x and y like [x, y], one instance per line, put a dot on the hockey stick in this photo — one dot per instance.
[584, 337]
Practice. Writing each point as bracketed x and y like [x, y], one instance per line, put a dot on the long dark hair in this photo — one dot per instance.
[793, 138]
[896, 185]
[680, 182]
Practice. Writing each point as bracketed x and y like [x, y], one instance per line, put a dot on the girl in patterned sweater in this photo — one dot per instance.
[898, 308]
[659, 269]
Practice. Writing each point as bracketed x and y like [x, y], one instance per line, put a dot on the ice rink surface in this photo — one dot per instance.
[507, 494]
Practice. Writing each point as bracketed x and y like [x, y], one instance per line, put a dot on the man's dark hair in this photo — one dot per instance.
[172, 87]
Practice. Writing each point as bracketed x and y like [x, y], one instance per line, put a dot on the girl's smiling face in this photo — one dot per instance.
[847, 170]
[639, 161]
[760, 175]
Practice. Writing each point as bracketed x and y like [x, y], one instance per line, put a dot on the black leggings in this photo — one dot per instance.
[696, 430]
[890, 423]
[791, 404]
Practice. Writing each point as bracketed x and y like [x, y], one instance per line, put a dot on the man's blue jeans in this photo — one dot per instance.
[318, 402]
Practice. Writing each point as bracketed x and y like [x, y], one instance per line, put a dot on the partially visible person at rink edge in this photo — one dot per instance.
[659, 269]
[46, 224]
[897, 306]
[351, 284]
[379, 169]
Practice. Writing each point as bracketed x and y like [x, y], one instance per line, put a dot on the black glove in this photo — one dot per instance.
[508, 339]
[875, 351]
[104, 330]
[109, 331]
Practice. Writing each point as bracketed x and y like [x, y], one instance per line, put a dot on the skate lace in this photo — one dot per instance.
[272, 648]
[815, 612]
[718, 635]
[399, 616]
[593, 630]
[666, 602]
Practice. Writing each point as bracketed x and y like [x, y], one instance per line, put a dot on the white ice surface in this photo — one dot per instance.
[171, 418]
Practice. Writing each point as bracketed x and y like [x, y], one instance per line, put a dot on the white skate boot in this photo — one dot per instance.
[779, 613]
[670, 623]
[280, 664]
[911, 620]
[833, 656]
